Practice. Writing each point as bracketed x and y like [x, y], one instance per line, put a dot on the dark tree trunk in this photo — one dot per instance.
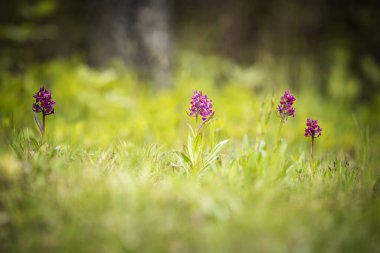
[135, 31]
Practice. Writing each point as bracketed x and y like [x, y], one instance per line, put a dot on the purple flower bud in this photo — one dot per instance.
[36, 108]
[43, 103]
[200, 105]
[285, 108]
[312, 128]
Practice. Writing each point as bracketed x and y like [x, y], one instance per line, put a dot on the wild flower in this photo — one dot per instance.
[43, 104]
[200, 152]
[312, 130]
[285, 108]
[201, 106]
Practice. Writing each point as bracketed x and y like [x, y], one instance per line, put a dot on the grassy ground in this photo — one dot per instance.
[110, 177]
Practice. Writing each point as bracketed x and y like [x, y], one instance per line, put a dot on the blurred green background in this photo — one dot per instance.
[95, 54]
[329, 45]
[108, 178]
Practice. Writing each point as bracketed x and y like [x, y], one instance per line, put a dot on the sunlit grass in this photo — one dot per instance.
[109, 178]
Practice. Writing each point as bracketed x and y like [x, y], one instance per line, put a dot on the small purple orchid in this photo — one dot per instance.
[285, 108]
[200, 105]
[43, 104]
[312, 130]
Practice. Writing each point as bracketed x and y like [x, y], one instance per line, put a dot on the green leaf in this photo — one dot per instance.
[183, 161]
[191, 129]
[190, 149]
[185, 158]
[38, 122]
[35, 142]
[214, 152]
[198, 141]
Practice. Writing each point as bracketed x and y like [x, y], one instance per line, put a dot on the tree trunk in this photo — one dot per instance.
[136, 31]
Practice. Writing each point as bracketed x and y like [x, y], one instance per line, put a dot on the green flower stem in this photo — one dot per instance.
[279, 133]
[43, 126]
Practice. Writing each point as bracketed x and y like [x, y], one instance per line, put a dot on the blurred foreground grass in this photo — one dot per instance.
[108, 178]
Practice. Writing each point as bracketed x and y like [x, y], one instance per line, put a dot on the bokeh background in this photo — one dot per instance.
[109, 177]
[330, 45]
[91, 52]
[104, 61]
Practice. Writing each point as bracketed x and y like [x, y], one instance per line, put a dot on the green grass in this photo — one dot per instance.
[110, 178]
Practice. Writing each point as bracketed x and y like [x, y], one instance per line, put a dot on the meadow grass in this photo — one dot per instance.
[110, 177]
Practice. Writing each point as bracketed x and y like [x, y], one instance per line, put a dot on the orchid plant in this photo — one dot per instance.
[44, 105]
[198, 154]
[312, 130]
[285, 110]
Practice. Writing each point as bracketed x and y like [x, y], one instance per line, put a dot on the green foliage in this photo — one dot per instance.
[120, 172]
[200, 154]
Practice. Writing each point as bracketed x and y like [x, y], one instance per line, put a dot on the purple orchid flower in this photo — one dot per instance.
[201, 106]
[43, 104]
[312, 130]
[285, 108]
